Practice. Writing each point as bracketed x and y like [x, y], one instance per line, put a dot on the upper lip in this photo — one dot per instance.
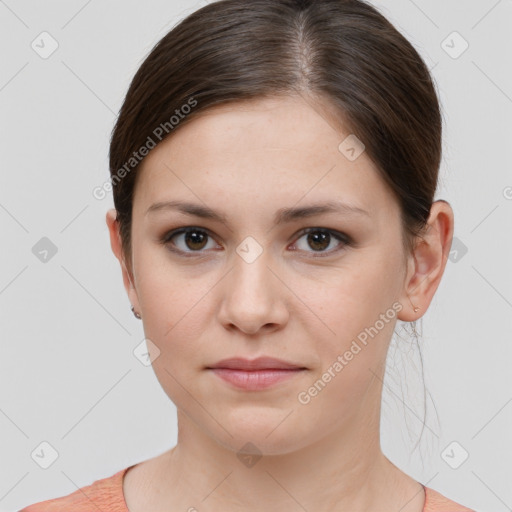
[260, 363]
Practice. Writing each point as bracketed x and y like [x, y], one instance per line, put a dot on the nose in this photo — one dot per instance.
[254, 298]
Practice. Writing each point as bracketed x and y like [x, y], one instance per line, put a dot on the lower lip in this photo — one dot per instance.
[254, 379]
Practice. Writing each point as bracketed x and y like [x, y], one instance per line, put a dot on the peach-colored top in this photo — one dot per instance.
[107, 495]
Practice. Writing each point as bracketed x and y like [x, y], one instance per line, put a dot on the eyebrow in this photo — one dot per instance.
[283, 215]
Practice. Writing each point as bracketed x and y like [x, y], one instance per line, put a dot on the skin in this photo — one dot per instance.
[248, 160]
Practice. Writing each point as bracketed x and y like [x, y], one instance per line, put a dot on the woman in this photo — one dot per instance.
[274, 167]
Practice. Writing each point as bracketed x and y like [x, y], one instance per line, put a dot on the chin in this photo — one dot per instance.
[257, 446]
[261, 434]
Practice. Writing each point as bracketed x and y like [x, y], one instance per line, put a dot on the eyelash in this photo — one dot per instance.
[345, 240]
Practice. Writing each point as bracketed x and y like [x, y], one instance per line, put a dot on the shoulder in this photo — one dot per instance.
[435, 502]
[103, 494]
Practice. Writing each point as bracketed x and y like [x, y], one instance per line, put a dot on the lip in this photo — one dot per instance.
[254, 380]
[260, 363]
[256, 374]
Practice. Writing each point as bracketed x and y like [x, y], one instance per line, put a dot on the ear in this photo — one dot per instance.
[426, 264]
[115, 243]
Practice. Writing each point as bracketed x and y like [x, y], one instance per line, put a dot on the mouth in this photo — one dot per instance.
[256, 374]
[260, 363]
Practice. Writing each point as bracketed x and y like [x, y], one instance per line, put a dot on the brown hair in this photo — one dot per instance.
[342, 53]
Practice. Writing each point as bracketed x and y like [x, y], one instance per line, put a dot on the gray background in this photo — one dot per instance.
[68, 373]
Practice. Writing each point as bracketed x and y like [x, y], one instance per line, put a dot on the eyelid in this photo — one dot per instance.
[344, 239]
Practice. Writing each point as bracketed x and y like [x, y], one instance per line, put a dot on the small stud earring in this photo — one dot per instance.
[135, 313]
[416, 308]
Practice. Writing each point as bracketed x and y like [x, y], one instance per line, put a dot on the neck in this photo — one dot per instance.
[341, 471]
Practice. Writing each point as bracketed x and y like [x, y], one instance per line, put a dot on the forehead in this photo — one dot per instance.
[273, 150]
[270, 124]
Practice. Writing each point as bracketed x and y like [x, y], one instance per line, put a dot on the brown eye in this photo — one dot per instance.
[188, 240]
[195, 239]
[321, 239]
[318, 240]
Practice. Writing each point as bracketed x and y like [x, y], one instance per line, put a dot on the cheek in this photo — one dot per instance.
[176, 308]
[351, 297]
[353, 358]
[167, 290]
[354, 318]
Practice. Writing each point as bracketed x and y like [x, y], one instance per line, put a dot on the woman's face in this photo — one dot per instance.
[249, 287]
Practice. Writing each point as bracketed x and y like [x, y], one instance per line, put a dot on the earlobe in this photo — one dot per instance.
[408, 299]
